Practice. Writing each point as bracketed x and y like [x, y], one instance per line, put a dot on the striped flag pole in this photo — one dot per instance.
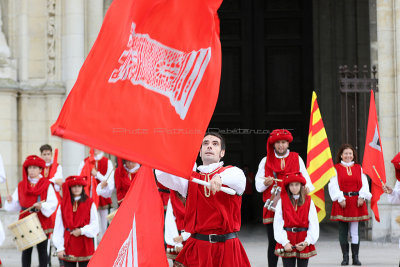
[319, 158]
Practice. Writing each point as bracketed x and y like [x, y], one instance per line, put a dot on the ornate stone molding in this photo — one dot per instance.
[51, 39]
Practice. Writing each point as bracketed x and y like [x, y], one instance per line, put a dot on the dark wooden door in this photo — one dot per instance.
[267, 76]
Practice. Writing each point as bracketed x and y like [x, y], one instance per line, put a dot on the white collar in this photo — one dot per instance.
[34, 180]
[134, 169]
[296, 197]
[211, 167]
[282, 157]
[99, 156]
[48, 164]
[77, 198]
[347, 164]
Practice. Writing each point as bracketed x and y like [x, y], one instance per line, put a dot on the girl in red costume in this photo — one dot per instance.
[296, 226]
[76, 224]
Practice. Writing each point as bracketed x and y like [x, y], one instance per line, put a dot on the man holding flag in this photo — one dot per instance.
[212, 217]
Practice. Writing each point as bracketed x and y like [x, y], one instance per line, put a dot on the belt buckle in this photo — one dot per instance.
[210, 238]
[294, 229]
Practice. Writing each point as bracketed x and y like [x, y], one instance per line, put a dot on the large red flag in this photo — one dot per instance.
[135, 235]
[373, 163]
[149, 86]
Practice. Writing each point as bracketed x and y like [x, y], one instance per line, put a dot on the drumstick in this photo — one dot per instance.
[110, 173]
[8, 192]
[227, 190]
[373, 166]
[28, 209]
[119, 201]
[275, 179]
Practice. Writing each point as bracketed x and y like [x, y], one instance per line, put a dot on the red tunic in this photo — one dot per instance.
[280, 167]
[296, 218]
[123, 181]
[102, 167]
[349, 182]
[29, 194]
[79, 248]
[212, 214]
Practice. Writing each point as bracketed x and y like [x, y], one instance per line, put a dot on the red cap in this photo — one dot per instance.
[396, 164]
[34, 160]
[76, 180]
[279, 134]
[294, 177]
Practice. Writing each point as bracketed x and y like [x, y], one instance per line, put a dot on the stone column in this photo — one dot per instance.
[73, 49]
[94, 21]
[388, 20]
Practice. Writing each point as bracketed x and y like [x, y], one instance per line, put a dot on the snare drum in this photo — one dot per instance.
[270, 204]
[111, 216]
[27, 232]
[171, 252]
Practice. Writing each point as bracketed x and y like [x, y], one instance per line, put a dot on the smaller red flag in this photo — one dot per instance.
[373, 163]
[90, 189]
[135, 236]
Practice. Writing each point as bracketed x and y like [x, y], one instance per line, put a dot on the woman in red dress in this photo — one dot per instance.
[348, 191]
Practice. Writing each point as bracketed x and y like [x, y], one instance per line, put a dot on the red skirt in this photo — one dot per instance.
[104, 203]
[351, 213]
[203, 253]
[268, 216]
[308, 252]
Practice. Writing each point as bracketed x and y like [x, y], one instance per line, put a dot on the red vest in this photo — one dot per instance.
[290, 164]
[123, 181]
[29, 196]
[49, 171]
[211, 214]
[349, 183]
[102, 167]
[81, 247]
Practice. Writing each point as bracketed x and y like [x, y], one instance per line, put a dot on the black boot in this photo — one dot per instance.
[354, 252]
[345, 252]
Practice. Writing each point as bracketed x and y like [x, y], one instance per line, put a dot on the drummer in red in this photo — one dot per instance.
[76, 224]
[30, 192]
[296, 226]
[278, 162]
[212, 217]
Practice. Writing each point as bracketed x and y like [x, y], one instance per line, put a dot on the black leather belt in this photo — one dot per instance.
[350, 194]
[295, 229]
[163, 190]
[215, 238]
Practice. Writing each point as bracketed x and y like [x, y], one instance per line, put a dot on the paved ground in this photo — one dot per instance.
[254, 240]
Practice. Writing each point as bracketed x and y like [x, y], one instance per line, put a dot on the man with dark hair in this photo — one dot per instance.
[52, 170]
[212, 217]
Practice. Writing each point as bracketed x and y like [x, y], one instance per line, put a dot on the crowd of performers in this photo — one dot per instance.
[201, 222]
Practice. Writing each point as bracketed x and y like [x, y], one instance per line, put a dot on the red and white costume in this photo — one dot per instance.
[349, 184]
[289, 216]
[30, 191]
[208, 214]
[83, 216]
[104, 169]
[278, 166]
[175, 224]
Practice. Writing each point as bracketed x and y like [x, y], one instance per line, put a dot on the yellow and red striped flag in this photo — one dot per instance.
[319, 158]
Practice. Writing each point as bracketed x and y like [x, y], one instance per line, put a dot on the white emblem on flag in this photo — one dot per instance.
[375, 143]
[162, 69]
[128, 254]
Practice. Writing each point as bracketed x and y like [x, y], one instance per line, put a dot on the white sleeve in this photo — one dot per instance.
[234, 178]
[106, 192]
[2, 171]
[364, 191]
[334, 189]
[81, 167]
[173, 182]
[57, 175]
[185, 235]
[110, 169]
[260, 186]
[313, 225]
[2, 234]
[304, 172]
[58, 233]
[279, 233]
[92, 229]
[171, 230]
[14, 206]
[50, 205]
[394, 197]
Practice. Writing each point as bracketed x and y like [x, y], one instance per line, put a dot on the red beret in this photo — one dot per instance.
[280, 134]
[76, 180]
[34, 160]
[294, 177]
[396, 164]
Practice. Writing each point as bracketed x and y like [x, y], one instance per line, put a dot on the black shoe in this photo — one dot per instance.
[354, 251]
[345, 252]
